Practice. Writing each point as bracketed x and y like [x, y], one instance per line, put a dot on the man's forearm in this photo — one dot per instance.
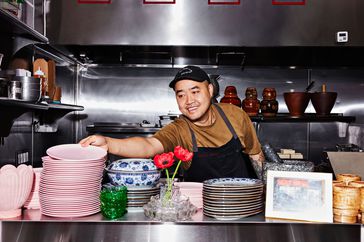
[134, 147]
[257, 162]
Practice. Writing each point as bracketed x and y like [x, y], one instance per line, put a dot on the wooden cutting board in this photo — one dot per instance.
[51, 78]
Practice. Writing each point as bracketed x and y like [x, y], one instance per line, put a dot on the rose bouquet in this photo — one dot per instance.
[165, 160]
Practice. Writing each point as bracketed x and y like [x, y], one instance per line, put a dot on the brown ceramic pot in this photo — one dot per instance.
[269, 104]
[269, 108]
[251, 104]
[230, 96]
[269, 93]
[297, 102]
[323, 102]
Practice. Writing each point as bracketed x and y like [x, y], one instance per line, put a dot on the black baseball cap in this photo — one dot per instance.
[194, 73]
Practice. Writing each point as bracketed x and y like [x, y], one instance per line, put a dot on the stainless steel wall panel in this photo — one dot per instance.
[112, 94]
[195, 23]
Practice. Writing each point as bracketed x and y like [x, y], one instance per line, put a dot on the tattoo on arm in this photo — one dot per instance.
[257, 162]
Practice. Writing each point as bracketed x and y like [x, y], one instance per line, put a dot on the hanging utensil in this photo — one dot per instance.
[310, 86]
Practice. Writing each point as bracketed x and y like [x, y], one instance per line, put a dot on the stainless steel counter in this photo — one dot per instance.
[134, 226]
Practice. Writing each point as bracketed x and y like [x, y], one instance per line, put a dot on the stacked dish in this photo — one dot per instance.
[138, 196]
[232, 198]
[70, 182]
[33, 199]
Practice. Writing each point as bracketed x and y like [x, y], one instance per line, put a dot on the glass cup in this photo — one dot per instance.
[113, 201]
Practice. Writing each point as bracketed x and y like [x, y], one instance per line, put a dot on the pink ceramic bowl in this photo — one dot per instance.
[15, 186]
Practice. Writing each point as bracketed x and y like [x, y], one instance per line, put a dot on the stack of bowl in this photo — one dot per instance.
[140, 176]
[31, 88]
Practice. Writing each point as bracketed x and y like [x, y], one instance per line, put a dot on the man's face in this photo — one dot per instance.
[193, 98]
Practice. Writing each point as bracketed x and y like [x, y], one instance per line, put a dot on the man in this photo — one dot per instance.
[221, 136]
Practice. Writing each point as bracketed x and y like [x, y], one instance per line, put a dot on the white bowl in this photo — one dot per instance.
[134, 179]
[132, 165]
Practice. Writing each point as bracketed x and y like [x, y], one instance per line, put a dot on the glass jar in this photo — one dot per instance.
[113, 201]
[251, 104]
[231, 96]
[169, 205]
[269, 104]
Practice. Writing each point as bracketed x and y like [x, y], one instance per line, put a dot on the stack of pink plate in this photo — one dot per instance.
[193, 190]
[70, 182]
[33, 199]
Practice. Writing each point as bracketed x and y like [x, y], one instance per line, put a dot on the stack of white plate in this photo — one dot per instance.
[137, 197]
[232, 198]
[33, 199]
[192, 190]
[70, 182]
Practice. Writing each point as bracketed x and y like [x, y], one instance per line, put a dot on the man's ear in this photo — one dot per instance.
[211, 89]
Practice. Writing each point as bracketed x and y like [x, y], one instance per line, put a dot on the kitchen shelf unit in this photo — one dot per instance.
[279, 118]
[307, 117]
[16, 27]
[12, 109]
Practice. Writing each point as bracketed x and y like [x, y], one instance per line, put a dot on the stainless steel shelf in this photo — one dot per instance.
[134, 226]
[307, 117]
[279, 118]
[12, 25]
[14, 108]
[121, 129]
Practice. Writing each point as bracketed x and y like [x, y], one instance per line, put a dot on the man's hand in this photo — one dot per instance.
[95, 140]
[257, 162]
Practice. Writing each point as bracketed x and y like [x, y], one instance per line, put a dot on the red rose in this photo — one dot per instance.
[164, 160]
[182, 154]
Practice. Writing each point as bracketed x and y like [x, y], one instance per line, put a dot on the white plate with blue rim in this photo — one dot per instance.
[238, 183]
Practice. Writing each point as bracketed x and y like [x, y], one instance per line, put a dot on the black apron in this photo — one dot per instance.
[227, 160]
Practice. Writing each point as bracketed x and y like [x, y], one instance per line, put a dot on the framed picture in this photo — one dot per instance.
[224, 2]
[288, 2]
[159, 1]
[94, 1]
[299, 196]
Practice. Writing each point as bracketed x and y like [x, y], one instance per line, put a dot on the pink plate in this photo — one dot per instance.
[76, 163]
[70, 214]
[189, 185]
[76, 152]
[68, 186]
[59, 210]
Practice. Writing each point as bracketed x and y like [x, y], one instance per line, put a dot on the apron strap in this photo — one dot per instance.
[226, 120]
[194, 142]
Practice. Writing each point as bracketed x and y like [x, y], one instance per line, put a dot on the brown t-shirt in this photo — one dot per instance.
[215, 135]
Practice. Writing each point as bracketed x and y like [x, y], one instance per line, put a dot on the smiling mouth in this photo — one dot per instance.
[192, 109]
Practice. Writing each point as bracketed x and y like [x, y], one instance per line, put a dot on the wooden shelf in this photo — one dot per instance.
[11, 24]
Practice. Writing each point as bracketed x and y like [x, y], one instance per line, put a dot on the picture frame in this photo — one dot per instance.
[288, 2]
[94, 1]
[305, 196]
[159, 1]
[224, 2]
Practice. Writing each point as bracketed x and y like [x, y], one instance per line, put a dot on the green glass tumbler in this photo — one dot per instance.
[113, 202]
